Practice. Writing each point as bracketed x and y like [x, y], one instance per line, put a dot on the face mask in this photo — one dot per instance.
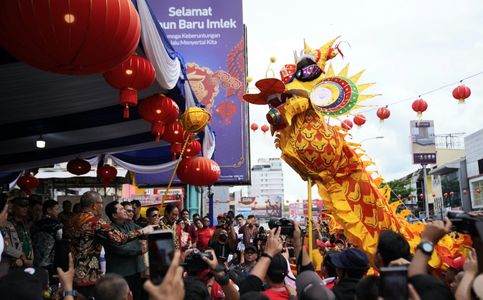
[223, 238]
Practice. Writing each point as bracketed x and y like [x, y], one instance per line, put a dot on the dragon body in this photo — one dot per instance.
[300, 107]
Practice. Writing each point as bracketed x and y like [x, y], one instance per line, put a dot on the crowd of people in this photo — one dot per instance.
[235, 259]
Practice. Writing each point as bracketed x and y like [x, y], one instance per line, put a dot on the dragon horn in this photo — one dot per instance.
[295, 56]
[307, 48]
[325, 48]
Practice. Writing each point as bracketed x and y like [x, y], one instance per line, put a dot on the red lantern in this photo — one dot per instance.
[286, 201]
[134, 74]
[193, 148]
[217, 200]
[461, 92]
[347, 124]
[70, 37]
[420, 106]
[199, 171]
[78, 166]
[27, 183]
[264, 128]
[383, 113]
[359, 120]
[176, 149]
[445, 195]
[433, 195]
[478, 191]
[158, 109]
[254, 127]
[107, 174]
[174, 132]
[157, 129]
[451, 194]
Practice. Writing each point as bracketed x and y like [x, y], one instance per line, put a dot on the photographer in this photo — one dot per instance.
[222, 244]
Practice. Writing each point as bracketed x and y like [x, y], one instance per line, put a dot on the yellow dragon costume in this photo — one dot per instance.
[300, 106]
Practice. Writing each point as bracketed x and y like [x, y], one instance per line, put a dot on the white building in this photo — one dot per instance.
[474, 167]
[267, 179]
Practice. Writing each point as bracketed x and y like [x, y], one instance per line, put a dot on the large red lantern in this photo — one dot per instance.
[461, 92]
[383, 113]
[159, 110]
[199, 171]
[420, 106]
[359, 119]
[265, 128]
[347, 124]
[70, 37]
[107, 174]
[254, 127]
[78, 166]
[134, 74]
[193, 148]
[27, 183]
[174, 132]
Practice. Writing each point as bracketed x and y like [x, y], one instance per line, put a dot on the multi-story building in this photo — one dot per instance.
[267, 179]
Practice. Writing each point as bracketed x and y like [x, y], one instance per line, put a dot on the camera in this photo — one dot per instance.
[193, 262]
[286, 226]
[465, 223]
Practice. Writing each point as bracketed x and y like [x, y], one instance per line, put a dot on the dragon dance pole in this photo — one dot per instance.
[309, 209]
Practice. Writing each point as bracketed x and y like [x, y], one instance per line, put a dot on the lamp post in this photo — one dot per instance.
[372, 138]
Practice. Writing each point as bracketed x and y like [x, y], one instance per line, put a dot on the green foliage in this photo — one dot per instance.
[400, 187]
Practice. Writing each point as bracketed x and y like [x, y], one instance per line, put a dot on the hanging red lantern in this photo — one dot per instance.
[461, 92]
[433, 195]
[174, 132]
[451, 194]
[157, 129]
[134, 74]
[359, 120]
[445, 195]
[106, 174]
[27, 183]
[254, 127]
[286, 201]
[70, 37]
[420, 106]
[347, 124]
[217, 200]
[176, 149]
[265, 128]
[383, 113]
[199, 171]
[158, 110]
[78, 166]
[193, 148]
[478, 191]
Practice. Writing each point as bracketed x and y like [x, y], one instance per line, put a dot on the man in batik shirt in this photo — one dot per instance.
[89, 231]
[168, 222]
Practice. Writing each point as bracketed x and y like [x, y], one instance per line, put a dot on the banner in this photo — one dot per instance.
[261, 207]
[210, 36]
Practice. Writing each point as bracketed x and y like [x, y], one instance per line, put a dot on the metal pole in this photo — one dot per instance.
[425, 189]
[309, 210]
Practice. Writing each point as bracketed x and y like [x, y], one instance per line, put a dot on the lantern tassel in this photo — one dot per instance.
[126, 112]
[462, 101]
[158, 137]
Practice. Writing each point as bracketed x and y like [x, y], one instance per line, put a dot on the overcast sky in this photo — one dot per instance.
[407, 47]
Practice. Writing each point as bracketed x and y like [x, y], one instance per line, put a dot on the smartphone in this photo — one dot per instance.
[160, 252]
[394, 283]
[61, 255]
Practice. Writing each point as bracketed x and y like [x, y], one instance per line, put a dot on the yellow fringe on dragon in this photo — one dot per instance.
[299, 104]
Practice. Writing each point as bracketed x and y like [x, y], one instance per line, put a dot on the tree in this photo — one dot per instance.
[400, 187]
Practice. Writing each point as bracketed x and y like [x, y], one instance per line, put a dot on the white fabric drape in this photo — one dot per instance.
[144, 169]
[168, 70]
